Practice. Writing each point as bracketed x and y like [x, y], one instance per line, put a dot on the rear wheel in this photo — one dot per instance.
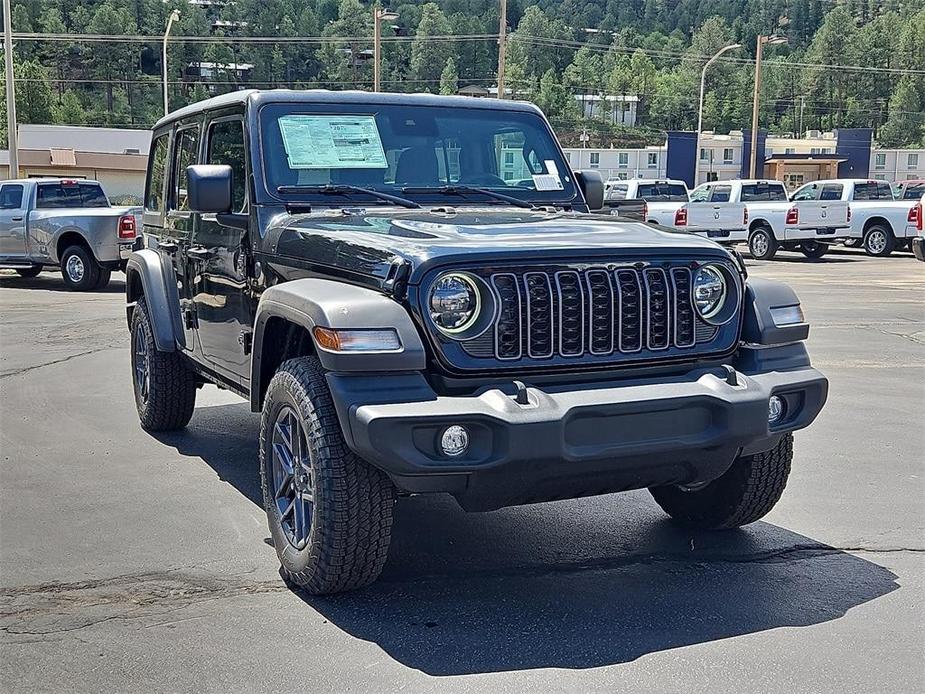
[79, 269]
[762, 244]
[330, 512]
[29, 272]
[747, 491]
[879, 241]
[103, 280]
[165, 388]
[813, 249]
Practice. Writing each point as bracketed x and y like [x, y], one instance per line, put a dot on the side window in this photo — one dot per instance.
[701, 194]
[157, 172]
[806, 193]
[11, 196]
[226, 146]
[721, 194]
[831, 191]
[885, 191]
[185, 154]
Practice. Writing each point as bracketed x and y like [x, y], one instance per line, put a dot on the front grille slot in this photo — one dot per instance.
[596, 311]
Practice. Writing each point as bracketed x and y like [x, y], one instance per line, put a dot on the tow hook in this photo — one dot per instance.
[731, 377]
[521, 397]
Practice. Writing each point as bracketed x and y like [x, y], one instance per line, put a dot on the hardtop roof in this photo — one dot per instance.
[258, 97]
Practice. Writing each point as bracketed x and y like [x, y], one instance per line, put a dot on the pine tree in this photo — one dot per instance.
[449, 78]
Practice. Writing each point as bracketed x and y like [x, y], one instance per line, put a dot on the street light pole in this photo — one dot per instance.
[703, 80]
[762, 41]
[10, 91]
[379, 15]
[174, 16]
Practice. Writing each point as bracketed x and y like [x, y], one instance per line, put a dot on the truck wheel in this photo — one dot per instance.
[165, 388]
[29, 272]
[813, 249]
[879, 241]
[79, 269]
[741, 495]
[103, 280]
[762, 244]
[330, 512]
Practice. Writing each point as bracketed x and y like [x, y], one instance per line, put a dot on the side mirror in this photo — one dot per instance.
[208, 188]
[591, 184]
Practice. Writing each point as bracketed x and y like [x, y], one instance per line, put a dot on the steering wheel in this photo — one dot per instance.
[485, 179]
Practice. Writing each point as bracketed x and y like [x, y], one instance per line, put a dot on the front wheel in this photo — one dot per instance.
[879, 241]
[330, 512]
[79, 269]
[762, 244]
[813, 249]
[165, 388]
[747, 491]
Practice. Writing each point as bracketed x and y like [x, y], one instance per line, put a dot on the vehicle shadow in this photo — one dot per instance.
[571, 584]
[51, 281]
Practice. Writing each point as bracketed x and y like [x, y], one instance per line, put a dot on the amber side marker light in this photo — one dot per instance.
[376, 340]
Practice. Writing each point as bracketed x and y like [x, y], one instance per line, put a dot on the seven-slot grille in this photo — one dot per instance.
[595, 311]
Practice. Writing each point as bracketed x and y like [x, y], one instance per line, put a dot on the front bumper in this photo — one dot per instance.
[918, 247]
[570, 441]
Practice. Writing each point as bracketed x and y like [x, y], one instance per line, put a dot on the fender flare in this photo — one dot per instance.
[144, 267]
[762, 295]
[53, 253]
[314, 302]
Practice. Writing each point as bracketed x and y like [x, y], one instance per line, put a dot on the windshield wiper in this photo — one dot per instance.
[463, 190]
[343, 189]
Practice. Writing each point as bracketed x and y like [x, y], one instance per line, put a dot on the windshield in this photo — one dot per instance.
[388, 147]
[662, 192]
[764, 192]
[913, 191]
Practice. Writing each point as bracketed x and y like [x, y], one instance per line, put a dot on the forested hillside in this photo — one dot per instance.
[851, 63]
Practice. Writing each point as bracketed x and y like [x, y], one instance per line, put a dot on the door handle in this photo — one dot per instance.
[17, 219]
[199, 252]
[168, 247]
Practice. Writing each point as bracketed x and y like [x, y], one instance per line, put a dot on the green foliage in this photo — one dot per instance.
[652, 49]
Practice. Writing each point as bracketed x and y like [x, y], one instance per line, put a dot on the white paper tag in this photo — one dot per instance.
[547, 182]
[551, 167]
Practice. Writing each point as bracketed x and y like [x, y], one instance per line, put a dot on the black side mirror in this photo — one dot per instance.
[591, 184]
[208, 188]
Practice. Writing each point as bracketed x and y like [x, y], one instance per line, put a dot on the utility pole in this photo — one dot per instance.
[762, 40]
[379, 15]
[502, 47]
[10, 90]
[802, 104]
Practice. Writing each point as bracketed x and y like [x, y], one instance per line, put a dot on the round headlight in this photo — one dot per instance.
[709, 291]
[454, 303]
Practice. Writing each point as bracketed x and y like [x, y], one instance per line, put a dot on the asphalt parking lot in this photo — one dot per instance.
[137, 563]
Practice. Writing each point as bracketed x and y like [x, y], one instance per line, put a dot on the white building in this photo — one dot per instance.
[619, 109]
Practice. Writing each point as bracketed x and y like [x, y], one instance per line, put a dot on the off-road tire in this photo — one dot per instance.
[741, 495]
[171, 392]
[813, 249]
[103, 280]
[351, 512]
[758, 250]
[91, 269]
[29, 272]
[875, 249]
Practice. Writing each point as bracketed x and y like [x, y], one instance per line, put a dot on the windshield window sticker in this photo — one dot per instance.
[332, 142]
[547, 182]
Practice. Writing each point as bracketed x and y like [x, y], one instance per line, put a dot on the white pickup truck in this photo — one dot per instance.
[663, 197]
[712, 213]
[68, 223]
[878, 222]
[774, 222]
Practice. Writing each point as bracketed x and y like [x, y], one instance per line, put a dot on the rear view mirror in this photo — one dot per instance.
[209, 188]
[592, 187]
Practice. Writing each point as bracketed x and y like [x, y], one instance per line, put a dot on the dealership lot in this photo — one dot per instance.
[138, 563]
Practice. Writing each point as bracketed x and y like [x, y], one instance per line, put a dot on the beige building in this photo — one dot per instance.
[115, 157]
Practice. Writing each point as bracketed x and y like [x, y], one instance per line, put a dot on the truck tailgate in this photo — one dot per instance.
[820, 214]
[715, 216]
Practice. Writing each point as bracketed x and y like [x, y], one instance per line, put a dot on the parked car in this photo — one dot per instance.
[918, 241]
[774, 222]
[910, 190]
[662, 197]
[406, 327]
[878, 221]
[64, 222]
[711, 213]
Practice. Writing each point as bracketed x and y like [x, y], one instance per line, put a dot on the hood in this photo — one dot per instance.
[371, 242]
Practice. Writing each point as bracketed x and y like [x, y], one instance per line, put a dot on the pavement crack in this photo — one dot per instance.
[18, 372]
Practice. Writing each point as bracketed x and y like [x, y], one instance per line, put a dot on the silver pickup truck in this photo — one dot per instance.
[67, 223]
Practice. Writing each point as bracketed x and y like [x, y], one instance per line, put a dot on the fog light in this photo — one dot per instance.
[775, 409]
[454, 441]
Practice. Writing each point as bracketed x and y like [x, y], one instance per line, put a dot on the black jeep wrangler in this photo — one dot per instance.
[412, 292]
